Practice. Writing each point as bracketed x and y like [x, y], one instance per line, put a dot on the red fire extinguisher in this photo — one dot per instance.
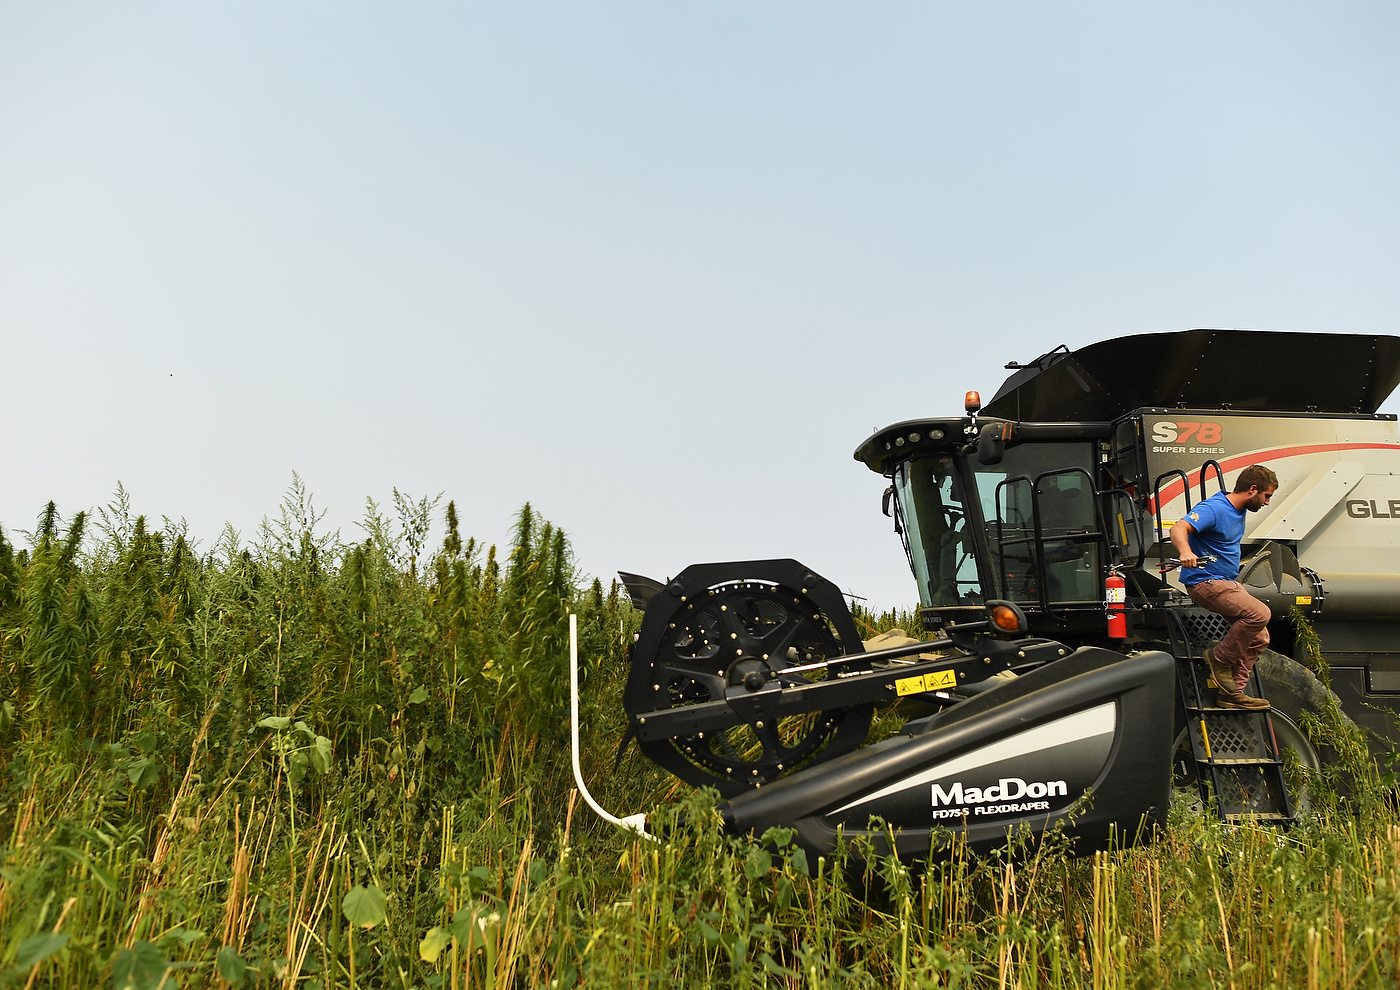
[1115, 602]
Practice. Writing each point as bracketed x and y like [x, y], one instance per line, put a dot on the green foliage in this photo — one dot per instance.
[1311, 644]
[36, 948]
[231, 966]
[262, 740]
[312, 763]
[364, 906]
[298, 748]
[871, 624]
[142, 967]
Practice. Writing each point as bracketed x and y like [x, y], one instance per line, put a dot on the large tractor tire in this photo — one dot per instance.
[1294, 691]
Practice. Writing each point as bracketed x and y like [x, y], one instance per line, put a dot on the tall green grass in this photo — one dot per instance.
[299, 762]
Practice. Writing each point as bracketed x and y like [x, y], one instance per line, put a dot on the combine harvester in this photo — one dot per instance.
[1064, 685]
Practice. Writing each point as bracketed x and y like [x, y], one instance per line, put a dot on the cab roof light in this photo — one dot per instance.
[972, 402]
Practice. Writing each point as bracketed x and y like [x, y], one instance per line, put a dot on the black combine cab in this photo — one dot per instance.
[1034, 521]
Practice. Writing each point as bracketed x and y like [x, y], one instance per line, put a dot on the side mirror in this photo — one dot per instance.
[885, 500]
[991, 442]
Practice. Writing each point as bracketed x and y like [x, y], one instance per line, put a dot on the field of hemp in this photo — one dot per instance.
[299, 762]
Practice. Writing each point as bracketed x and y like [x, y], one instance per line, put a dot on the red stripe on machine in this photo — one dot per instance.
[1178, 487]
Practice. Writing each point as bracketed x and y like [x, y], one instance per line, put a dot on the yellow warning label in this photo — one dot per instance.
[936, 681]
[940, 679]
[1303, 600]
[909, 685]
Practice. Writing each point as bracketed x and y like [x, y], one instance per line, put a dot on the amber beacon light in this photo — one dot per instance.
[1007, 618]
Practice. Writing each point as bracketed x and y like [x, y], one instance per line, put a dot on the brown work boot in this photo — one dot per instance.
[1241, 701]
[1224, 677]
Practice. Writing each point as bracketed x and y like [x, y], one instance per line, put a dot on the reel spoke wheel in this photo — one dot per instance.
[739, 635]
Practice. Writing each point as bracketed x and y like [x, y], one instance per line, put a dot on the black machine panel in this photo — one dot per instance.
[1288, 372]
[1083, 743]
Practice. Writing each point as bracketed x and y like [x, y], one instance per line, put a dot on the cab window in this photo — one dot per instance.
[935, 508]
[1054, 483]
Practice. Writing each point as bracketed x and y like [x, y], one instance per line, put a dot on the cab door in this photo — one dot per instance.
[1045, 532]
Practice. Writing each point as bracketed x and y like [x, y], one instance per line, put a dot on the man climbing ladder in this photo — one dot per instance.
[1214, 527]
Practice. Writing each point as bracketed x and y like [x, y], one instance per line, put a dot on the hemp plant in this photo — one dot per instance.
[299, 751]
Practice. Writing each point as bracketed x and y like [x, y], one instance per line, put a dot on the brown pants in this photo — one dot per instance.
[1249, 621]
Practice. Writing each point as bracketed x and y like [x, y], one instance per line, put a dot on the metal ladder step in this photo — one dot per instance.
[1234, 752]
[1248, 763]
[1238, 763]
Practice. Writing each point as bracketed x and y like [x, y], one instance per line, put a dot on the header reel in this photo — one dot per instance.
[734, 630]
[744, 672]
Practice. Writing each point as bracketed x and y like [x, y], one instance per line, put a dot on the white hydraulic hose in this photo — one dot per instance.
[633, 823]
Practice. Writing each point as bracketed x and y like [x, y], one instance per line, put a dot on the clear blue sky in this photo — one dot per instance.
[657, 268]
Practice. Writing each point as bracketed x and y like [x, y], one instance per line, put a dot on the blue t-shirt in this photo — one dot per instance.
[1219, 527]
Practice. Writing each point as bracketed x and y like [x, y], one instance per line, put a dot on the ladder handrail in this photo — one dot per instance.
[1157, 502]
[1219, 476]
[1131, 563]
